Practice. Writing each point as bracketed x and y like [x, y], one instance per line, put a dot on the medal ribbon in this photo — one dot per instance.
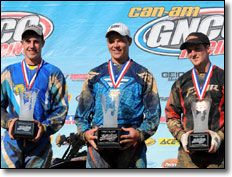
[30, 84]
[201, 90]
[117, 80]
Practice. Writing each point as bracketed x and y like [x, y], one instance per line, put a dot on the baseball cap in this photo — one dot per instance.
[120, 28]
[195, 38]
[37, 29]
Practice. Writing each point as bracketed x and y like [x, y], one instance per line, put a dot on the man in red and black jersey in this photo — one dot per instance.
[205, 80]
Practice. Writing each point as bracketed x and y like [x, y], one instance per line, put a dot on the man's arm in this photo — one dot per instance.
[173, 113]
[152, 109]
[59, 105]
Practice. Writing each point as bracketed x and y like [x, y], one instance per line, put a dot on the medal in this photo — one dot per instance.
[201, 106]
[201, 90]
[116, 81]
[30, 84]
[114, 93]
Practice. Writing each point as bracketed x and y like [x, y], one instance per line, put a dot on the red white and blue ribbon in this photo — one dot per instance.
[201, 90]
[30, 84]
[116, 80]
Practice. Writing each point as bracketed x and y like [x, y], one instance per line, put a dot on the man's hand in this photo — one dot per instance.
[129, 139]
[184, 140]
[90, 137]
[11, 129]
[39, 133]
[215, 141]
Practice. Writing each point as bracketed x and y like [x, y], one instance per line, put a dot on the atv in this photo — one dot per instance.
[72, 158]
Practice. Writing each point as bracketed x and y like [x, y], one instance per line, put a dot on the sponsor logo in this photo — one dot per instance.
[162, 119]
[108, 137]
[69, 97]
[163, 35]
[168, 141]
[149, 141]
[12, 26]
[70, 120]
[78, 77]
[24, 128]
[192, 91]
[171, 76]
[170, 163]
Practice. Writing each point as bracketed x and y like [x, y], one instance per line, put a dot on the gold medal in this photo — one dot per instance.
[114, 93]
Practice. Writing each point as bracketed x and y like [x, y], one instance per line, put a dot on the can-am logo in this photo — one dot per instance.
[12, 26]
[164, 35]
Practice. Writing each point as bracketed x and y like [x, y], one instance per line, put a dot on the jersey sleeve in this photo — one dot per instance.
[5, 85]
[173, 112]
[84, 111]
[152, 109]
[59, 107]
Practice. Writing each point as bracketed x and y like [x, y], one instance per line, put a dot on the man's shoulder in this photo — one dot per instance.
[13, 66]
[139, 68]
[218, 69]
[100, 67]
[50, 67]
[183, 79]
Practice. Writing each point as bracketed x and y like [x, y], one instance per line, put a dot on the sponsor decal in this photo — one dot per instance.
[170, 163]
[12, 26]
[69, 97]
[78, 77]
[162, 119]
[70, 120]
[149, 141]
[171, 76]
[164, 34]
[168, 142]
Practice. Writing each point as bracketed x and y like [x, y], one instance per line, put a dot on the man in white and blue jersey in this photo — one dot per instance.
[139, 107]
[51, 105]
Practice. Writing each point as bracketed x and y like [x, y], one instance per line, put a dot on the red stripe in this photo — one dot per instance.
[170, 113]
[24, 75]
[123, 74]
[111, 75]
[221, 121]
[211, 73]
[36, 75]
[91, 154]
[194, 83]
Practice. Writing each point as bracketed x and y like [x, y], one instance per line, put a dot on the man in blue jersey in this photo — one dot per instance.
[50, 109]
[204, 81]
[139, 107]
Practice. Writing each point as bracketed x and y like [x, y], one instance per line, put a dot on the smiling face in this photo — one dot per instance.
[32, 45]
[118, 47]
[199, 56]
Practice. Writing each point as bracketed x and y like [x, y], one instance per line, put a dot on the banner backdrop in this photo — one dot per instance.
[75, 42]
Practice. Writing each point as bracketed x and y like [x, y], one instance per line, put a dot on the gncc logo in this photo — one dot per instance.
[164, 35]
[12, 26]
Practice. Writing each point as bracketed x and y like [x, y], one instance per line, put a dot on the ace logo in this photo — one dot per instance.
[168, 141]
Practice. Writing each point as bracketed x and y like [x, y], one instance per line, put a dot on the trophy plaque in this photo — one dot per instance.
[109, 134]
[25, 127]
[200, 140]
